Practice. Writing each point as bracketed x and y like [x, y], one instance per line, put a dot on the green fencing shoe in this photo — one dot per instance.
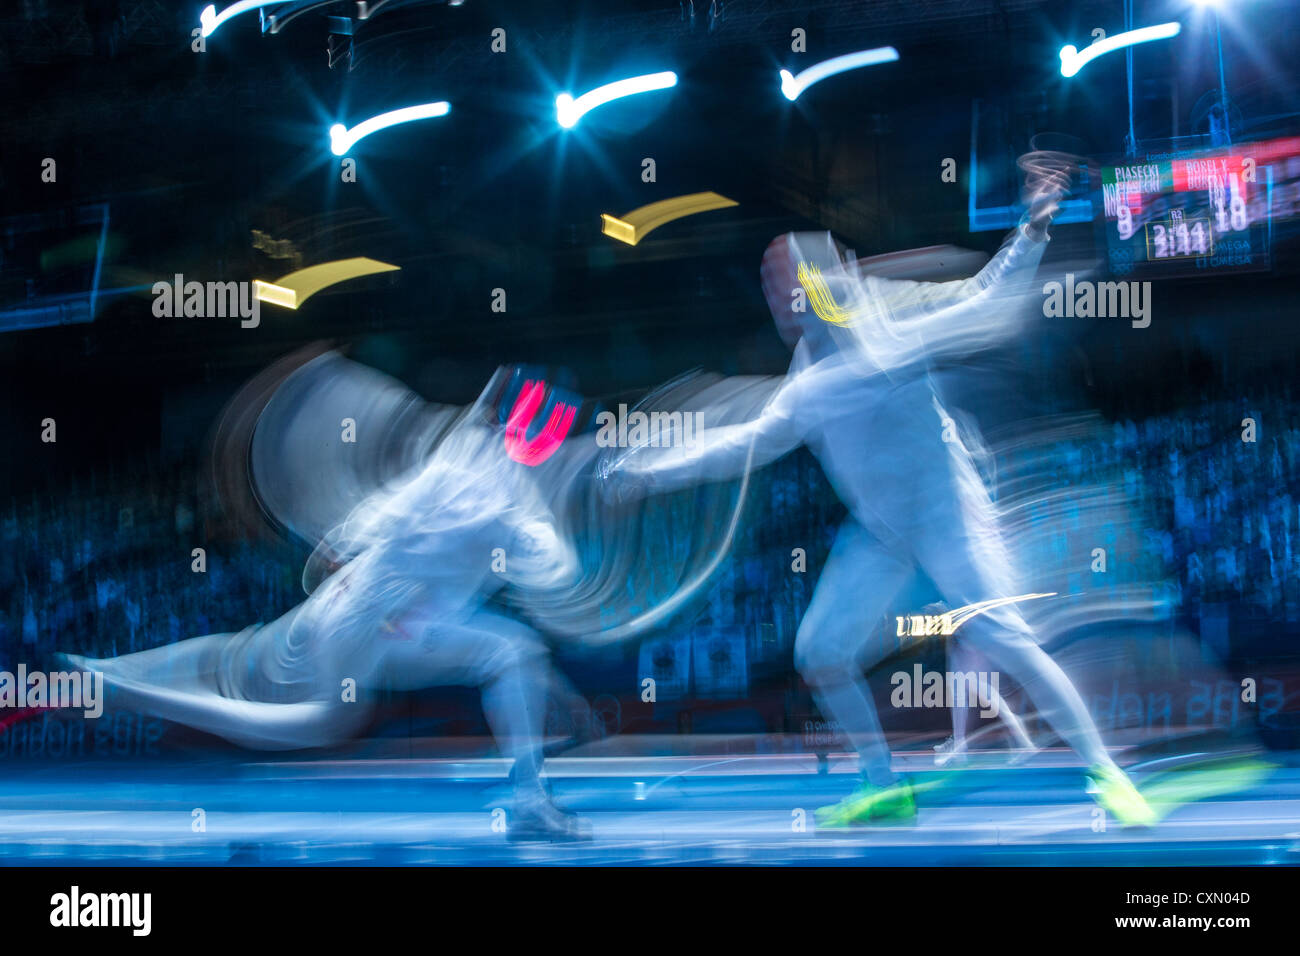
[868, 805]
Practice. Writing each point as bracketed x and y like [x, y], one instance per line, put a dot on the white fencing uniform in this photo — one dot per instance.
[405, 611]
[859, 397]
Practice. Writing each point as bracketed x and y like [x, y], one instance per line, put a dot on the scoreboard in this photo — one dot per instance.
[1187, 212]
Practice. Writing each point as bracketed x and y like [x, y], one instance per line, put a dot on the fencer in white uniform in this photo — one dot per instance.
[859, 395]
[404, 607]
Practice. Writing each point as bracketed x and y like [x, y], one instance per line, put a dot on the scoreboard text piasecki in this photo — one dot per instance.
[1189, 211]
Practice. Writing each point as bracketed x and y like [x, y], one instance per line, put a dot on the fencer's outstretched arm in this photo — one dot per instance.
[718, 453]
[911, 302]
[896, 322]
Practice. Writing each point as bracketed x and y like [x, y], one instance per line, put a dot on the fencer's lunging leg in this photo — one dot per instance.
[1006, 640]
[944, 518]
[969, 564]
[495, 653]
[840, 633]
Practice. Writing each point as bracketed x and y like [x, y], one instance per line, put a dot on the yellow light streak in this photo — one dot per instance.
[296, 288]
[632, 227]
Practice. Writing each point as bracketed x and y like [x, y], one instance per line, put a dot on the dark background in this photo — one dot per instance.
[194, 151]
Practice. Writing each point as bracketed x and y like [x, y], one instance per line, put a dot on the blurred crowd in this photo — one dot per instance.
[1231, 525]
[108, 567]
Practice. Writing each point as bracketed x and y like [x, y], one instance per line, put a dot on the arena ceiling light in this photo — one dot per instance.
[296, 288]
[209, 19]
[568, 110]
[792, 85]
[1073, 60]
[632, 227]
[343, 139]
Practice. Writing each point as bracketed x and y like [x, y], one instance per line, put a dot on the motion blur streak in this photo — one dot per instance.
[343, 139]
[632, 227]
[296, 288]
[792, 85]
[569, 110]
[888, 324]
[1073, 60]
[209, 19]
[961, 615]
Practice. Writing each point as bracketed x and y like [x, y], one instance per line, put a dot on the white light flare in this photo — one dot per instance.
[209, 19]
[568, 110]
[343, 139]
[792, 85]
[1074, 60]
